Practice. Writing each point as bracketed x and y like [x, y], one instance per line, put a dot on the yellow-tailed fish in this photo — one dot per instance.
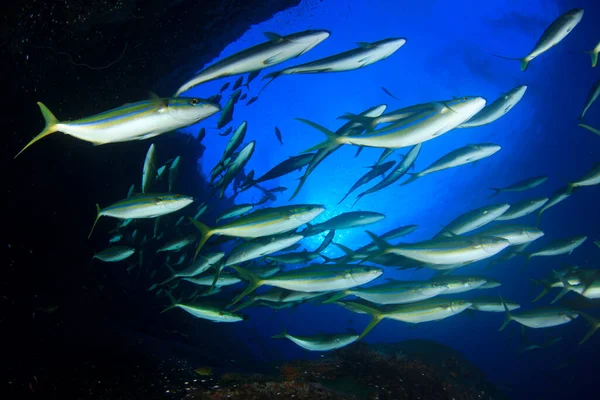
[520, 186]
[394, 292]
[265, 222]
[496, 109]
[177, 244]
[522, 208]
[492, 304]
[208, 312]
[556, 32]
[594, 54]
[515, 234]
[543, 317]
[474, 219]
[135, 121]
[143, 206]
[591, 98]
[557, 197]
[590, 179]
[558, 247]
[322, 342]
[115, 253]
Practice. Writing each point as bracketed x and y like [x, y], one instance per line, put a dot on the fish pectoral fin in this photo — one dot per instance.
[273, 59]
[274, 37]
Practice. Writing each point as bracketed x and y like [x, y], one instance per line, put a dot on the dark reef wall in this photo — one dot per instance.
[80, 57]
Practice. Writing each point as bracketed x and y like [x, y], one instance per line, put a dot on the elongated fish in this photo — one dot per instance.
[236, 211]
[301, 257]
[236, 166]
[115, 253]
[366, 54]
[392, 117]
[277, 50]
[398, 172]
[496, 109]
[522, 208]
[321, 342]
[461, 156]
[285, 167]
[318, 278]
[143, 206]
[414, 313]
[558, 247]
[197, 267]
[346, 220]
[591, 98]
[521, 186]
[216, 280]
[474, 219]
[278, 295]
[260, 247]
[234, 142]
[542, 317]
[590, 128]
[590, 179]
[492, 304]
[394, 292]
[416, 129]
[459, 284]
[174, 172]
[149, 169]
[557, 197]
[452, 250]
[515, 234]
[553, 35]
[377, 170]
[208, 312]
[226, 114]
[265, 222]
[177, 244]
[136, 121]
[348, 128]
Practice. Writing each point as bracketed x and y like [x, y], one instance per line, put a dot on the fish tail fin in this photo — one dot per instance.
[243, 305]
[271, 77]
[337, 296]
[593, 322]
[376, 317]
[594, 56]
[508, 315]
[496, 192]
[381, 243]
[327, 259]
[368, 122]
[413, 177]
[524, 61]
[173, 305]
[212, 287]
[281, 335]
[566, 287]
[96, 220]
[360, 196]
[254, 282]
[331, 137]
[205, 233]
[589, 128]
[50, 127]
[544, 291]
[350, 254]
[302, 180]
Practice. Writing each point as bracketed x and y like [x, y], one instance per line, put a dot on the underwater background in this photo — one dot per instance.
[91, 330]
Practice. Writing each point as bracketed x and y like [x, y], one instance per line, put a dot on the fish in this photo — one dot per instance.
[589, 128]
[301, 257]
[217, 280]
[590, 179]
[235, 211]
[276, 50]
[252, 100]
[365, 54]
[321, 342]
[243, 97]
[203, 263]
[149, 169]
[416, 129]
[557, 197]
[369, 123]
[278, 295]
[558, 247]
[237, 83]
[474, 219]
[491, 304]
[177, 244]
[264, 222]
[201, 209]
[234, 142]
[115, 253]
[594, 54]
[542, 317]
[377, 170]
[521, 186]
[515, 234]
[553, 35]
[414, 313]
[226, 132]
[226, 114]
[143, 206]
[236, 166]
[285, 167]
[235, 96]
[201, 134]
[389, 93]
[135, 121]
[131, 190]
[278, 134]
[459, 284]
[588, 287]
[224, 87]
[345, 220]
[394, 292]
[260, 247]
[174, 172]
[316, 278]
[452, 250]
[522, 208]
[471, 153]
[348, 128]
[591, 98]
[208, 312]
[398, 172]
[497, 108]
[115, 238]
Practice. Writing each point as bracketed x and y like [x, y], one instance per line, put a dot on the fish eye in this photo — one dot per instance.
[194, 102]
[177, 196]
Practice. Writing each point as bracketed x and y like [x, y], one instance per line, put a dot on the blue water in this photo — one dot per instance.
[448, 53]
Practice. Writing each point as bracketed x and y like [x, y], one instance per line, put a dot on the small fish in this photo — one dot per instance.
[115, 254]
[389, 93]
[377, 170]
[226, 114]
[136, 121]
[131, 191]
[224, 87]
[143, 206]
[543, 317]
[320, 342]
[521, 186]
[235, 211]
[201, 134]
[226, 132]
[251, 76]
[235, 96]
[260, 247]
[278, 134]
[177, 244]
[234, 142]
[515, 234]
[243, 96]
[115, 238]
[252, 100]
[553, 35]
[491, 304]
[236, 166]
[149, 169]
[591, 98]
[594, 54]
[394, 292]
[174, 172]
[207, 312]
[237, 83]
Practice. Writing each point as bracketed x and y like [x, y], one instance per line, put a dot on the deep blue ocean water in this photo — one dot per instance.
[448, 53]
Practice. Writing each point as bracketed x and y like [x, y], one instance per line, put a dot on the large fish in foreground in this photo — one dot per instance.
[413, 130]
[135, 121]
[265, 222]
[321, 342]
[497, 109]
[556, 32]
[277, 50]
[365, 54]
[143, 206]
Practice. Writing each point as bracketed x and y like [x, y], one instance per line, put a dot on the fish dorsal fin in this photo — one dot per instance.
[365, 45]
[157, 101]
[449, 232]
[274, 37]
